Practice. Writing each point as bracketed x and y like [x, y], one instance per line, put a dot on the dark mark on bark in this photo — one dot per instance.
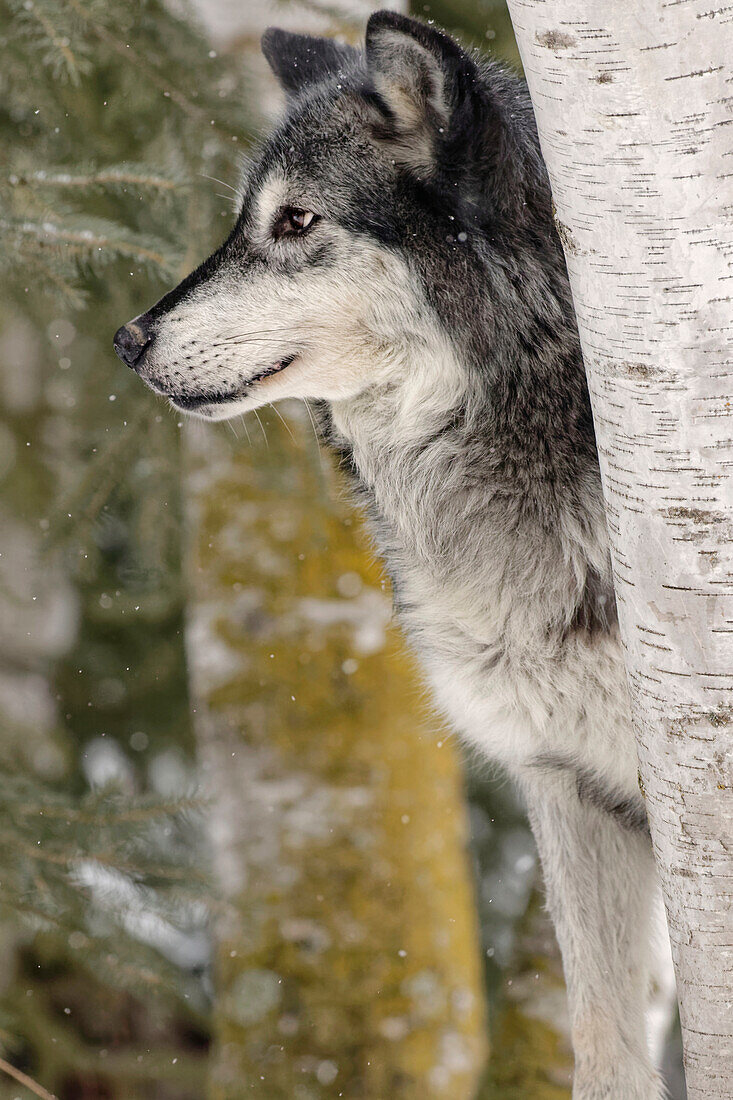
[723, 716]
[640, 370]
[665, 616]
[697, 72]
[565, 235]
[604, 78]
[719, 718]
[555, 40]
[697, 515]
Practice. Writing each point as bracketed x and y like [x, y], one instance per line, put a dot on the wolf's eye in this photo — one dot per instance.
[293, 221]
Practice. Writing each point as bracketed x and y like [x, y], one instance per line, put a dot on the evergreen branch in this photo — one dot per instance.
[121, 49]
[61, 43]
[123, 176]
[104, 859]
[24, 1079]
[134, 974]
[67, 293]
[87, 240]
[101, 476]
[62, 286]
[136, 921]
[137, 814]
[157, 1065]
[58, 41]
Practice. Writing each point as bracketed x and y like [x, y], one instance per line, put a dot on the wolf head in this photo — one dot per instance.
[396, 192]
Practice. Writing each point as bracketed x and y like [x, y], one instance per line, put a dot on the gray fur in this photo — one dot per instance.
[427, 310]
[630, 812]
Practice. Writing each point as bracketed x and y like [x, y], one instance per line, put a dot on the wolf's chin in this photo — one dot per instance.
[214, 412]
[212, 409]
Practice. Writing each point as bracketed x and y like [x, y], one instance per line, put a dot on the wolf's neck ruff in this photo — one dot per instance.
[467, 482]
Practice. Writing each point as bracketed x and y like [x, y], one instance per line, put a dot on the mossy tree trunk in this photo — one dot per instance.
[347, 959]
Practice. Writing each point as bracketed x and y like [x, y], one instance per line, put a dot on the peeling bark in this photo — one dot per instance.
[634, 109]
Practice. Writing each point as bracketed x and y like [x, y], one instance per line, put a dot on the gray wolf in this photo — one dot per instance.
[395, 260]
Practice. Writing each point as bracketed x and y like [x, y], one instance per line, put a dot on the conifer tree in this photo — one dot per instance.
[104, 142]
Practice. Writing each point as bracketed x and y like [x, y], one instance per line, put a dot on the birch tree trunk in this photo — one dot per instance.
[634, 108]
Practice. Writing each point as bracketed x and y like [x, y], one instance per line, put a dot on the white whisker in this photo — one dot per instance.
[284, 422]
[239, 341]
[215, 180]
[262, 429]
[315, 433]
[249, 335]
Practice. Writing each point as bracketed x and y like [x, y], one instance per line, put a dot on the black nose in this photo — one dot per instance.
[131, 341]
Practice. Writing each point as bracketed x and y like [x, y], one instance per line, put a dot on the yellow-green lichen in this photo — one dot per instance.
[357, 915]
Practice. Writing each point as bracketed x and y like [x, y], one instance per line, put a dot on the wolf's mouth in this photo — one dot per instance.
[274, 369]
[216, 397]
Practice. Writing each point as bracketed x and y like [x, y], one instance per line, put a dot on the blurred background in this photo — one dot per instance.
[239, 856]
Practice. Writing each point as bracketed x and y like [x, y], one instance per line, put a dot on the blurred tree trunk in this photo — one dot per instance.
[532, 1057]
[38, 618]
[38, 607]
[348, 955]
[633, 109]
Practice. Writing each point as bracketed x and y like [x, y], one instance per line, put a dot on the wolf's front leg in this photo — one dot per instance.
[600, 881]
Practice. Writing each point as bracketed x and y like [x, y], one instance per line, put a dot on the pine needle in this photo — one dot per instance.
[24, 1079]
[98, 240]
[117, 176]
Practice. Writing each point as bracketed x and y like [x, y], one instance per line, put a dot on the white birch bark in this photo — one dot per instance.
[634, 104]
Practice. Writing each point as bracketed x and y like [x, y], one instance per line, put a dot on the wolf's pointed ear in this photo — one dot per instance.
[428, 84]
[299, 60]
